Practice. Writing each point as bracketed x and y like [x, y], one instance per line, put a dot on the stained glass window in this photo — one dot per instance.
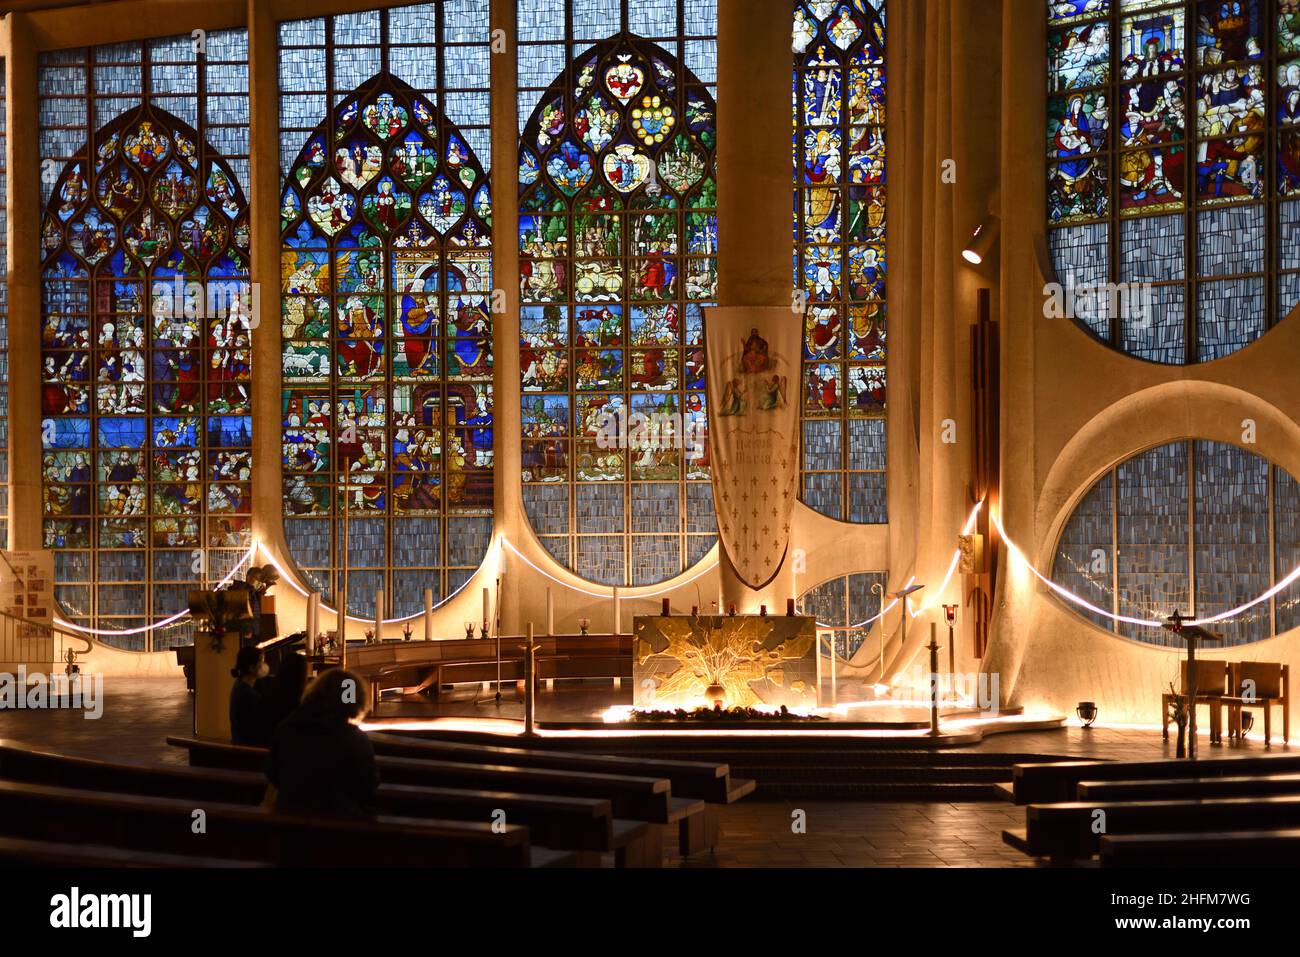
[618, 258]
[1173, 166]
[145, 312]
[1201, 527]
[839, 237]
[849, 606]
[386, 276]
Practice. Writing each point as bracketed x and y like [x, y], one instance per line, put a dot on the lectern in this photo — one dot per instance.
[1177, 625]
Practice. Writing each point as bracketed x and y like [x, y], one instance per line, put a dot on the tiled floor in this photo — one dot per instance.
[139, 713]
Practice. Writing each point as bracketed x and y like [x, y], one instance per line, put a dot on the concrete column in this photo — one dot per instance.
[506, 418]
[264, 192]
[754, 196]
[23, 162]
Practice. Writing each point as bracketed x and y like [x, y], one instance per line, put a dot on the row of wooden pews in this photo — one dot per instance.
[644, 796]
[1231, 810]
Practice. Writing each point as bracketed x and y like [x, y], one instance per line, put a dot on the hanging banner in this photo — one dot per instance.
[753, 382]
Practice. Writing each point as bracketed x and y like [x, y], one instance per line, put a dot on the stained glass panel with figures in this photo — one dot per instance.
[1172, 165]
[386, 218]
[618, 258]
[839, 236]
[145, 325]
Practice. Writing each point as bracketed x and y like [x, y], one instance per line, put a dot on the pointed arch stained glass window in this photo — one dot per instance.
[386, 219]
[618, 247]
[145, 386]
[839, 235]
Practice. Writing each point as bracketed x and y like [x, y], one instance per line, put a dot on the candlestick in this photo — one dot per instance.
[487, 611]
[428, 614]
[379, 616]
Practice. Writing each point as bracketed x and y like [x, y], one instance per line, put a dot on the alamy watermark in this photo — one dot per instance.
[217, 299]
[652, 432]
[53, 692]
[1133, 303]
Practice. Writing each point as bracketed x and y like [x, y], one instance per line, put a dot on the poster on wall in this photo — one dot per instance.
[27, 590]
[753, 380]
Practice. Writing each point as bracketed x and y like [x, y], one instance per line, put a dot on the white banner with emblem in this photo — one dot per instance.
[753, 382]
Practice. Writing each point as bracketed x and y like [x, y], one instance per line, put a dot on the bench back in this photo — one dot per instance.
[1211, 677]
[1266, 675]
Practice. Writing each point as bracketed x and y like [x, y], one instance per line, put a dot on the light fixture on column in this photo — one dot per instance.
[982, 240]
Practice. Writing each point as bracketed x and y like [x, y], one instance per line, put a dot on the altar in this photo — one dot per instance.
[732, 661]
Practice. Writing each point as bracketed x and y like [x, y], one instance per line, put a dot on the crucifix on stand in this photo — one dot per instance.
[1177, 625]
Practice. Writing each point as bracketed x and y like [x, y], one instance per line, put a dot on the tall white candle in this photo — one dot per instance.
[313, 620]
[428, 614]
[550, 612]
[618, 614]
[487, 612]
[379, 614]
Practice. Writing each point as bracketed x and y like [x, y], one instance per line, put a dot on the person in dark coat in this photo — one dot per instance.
[284, 691]
[247, 714]
[321, 763]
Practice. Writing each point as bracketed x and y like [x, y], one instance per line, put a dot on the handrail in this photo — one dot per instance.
[53, 629]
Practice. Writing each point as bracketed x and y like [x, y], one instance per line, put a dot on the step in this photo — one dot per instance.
[769, 774]
[879, 791]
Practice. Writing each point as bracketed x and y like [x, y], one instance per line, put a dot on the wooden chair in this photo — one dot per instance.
[1271, 685]
[1211, 686]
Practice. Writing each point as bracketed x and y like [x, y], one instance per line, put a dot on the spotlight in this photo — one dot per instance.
[1087, 712]
[981, 241]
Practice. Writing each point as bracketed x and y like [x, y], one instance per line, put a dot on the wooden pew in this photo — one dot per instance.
[1067, 830]
[641, 798]
[140, 822]
[18, 852]
[1057, 781]
[1275, 848]
[563, 823]
[709, 782]
[1189, 788]
[705, 780]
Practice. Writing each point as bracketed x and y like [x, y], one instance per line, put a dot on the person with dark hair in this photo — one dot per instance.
[284, 691]
[321, 763]
[247, 717]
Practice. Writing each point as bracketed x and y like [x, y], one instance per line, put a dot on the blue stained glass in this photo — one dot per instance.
[302, 33]
[596, 19]
[1152, 249]
[653, 18]
[414, 24]
[1230, 240]
[540, 20]
[357, 28]
[1231, 316]
[1156, 333]
[465, 21]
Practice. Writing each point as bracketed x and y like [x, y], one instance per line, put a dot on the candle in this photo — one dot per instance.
[550, 612]
[789, 607]
[487, 611]
[428, 614]
[379, 615]
[618, 615]
[666, 609]
[313, 620]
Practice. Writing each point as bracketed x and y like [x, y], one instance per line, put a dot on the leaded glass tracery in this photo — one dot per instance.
[618, 258]
[386, 218]
[849, 606]
[145, 315]
[1201, 527]
[839, 236]
[1174, 170]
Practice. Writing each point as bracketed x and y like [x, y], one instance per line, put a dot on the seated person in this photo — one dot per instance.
[247, 714]
[283, 692]
[321, 763]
